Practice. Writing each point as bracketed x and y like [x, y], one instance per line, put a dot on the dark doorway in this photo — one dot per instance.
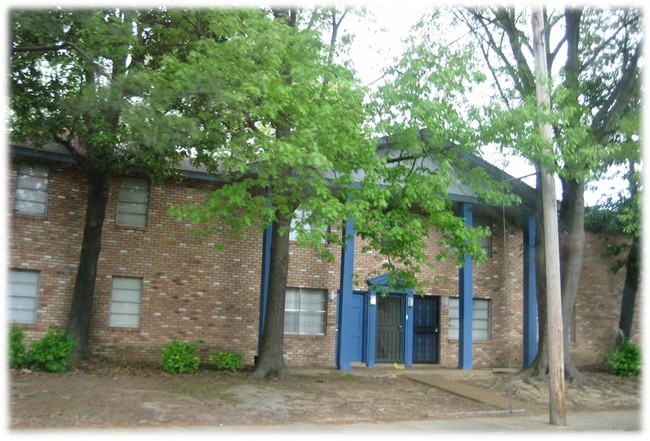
[426, 329]
[390, 328]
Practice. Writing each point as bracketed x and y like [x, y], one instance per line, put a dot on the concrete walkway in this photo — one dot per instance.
[578, 422]
[476, 393]
[583, 422]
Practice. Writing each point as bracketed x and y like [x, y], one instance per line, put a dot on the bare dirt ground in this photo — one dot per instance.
[102, 396]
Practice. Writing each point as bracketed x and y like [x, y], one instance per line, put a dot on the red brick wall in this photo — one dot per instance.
[598, 305]
[190, 290]
[193, 292]
[307, 269]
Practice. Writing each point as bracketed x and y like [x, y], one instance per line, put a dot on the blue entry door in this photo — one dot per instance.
[356, 341]
[390, 328]
[426, 329]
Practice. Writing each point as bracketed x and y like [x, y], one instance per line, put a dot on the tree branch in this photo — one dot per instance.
[525, 74]
[555, 51]
[67, 143]
[512, 70]
[63, 46]
[598, 49]
[603, 123]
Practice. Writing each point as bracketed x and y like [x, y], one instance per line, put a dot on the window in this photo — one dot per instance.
[133, 202]
[23, 296]
[125, 302]
[485, 243]
[480, 319]
[31, 189]
[300, 222]
[304, 312]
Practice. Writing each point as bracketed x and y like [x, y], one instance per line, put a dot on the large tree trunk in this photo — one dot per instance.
[84, 289]
[632, 267]
[572, 210]
[539, 366]
[572, 241]
[630, 289]
[271, 357]
[570, 267]
[270, 363]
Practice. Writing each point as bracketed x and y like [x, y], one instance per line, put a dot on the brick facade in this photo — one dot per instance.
[193, 292]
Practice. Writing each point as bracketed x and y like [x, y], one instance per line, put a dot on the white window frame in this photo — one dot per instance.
[133, 202]
[486, 242]
[23, 295]
[32, 189]
[299, 219]
[298, 314]
[481, 319]
[126, 302]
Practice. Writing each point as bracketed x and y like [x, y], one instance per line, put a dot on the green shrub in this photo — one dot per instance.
[52, 353]
[180, 357]
[226, 360]
[16, 348]
[625, 361]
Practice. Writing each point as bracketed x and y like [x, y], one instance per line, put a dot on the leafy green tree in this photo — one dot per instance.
[595, 112]
[295, 133]
[84, 79]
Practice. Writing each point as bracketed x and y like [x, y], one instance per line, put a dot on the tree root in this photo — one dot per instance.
[270, 373]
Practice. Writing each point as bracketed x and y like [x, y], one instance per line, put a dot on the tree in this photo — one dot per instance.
[293, 133]
[595, 101]
[82, 79]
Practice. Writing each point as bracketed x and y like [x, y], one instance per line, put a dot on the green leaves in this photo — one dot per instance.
[82, 77]
[180, 357]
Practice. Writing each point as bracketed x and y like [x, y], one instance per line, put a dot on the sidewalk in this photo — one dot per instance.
[615, 421]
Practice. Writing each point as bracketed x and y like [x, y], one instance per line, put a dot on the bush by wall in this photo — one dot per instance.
[52, 353]
[226, 360]
[625, 360]
[17, 348]
[180, 357]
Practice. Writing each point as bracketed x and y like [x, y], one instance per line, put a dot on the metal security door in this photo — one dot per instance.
[426, 329]
[390, 328]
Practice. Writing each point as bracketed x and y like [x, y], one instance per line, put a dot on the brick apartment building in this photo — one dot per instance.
[156, 282]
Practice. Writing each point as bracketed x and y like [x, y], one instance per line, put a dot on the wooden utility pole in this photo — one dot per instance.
[557, 411]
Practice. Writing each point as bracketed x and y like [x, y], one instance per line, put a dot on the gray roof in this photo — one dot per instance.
[457, 192]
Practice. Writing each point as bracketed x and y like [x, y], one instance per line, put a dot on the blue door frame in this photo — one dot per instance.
[382, 286]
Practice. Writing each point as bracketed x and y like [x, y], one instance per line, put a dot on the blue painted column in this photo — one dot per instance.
[266, 266]
[465, 291]
[408, 328]
[530, 290]
[371, 326]
[345, 297]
